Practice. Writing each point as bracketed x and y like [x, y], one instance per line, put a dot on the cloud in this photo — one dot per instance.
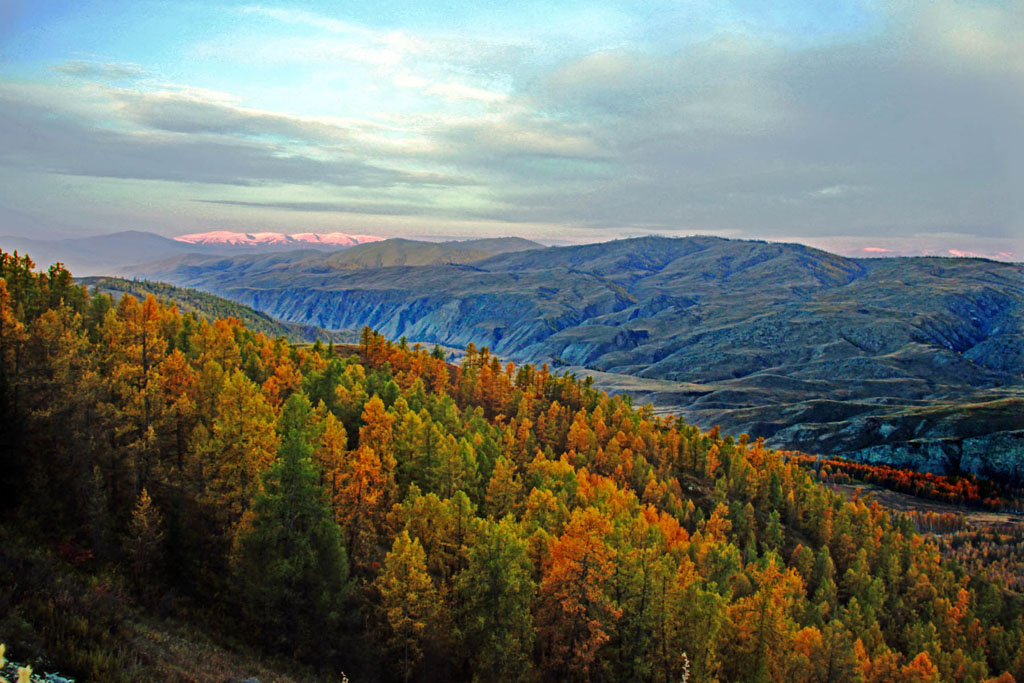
[723, 87]
[42, 139]
[307, 19]
[988, 36]
[835, 191]
[493, 142]
[367, 208]
[910, 126]
[740, 134]
[100, 71]
[186, 113]
[460, 91]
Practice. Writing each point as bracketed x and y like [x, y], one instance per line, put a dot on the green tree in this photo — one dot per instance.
[290, 562]
[496, 591]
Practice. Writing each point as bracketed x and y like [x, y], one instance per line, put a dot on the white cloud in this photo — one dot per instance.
[982, 35]
[307, 19]
[834, 191]
[100, 71]
[461, 92]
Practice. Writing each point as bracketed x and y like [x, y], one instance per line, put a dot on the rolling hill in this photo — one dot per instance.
[852, 357]
[111, 254]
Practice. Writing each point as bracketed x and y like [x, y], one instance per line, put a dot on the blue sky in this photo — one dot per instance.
[848, 125]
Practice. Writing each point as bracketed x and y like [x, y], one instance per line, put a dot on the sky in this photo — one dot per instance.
[863, 127]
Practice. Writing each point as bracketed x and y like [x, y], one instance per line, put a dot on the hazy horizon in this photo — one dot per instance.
[861, 128]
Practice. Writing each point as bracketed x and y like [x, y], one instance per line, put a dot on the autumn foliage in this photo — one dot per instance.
[376, 510]
[956, 490]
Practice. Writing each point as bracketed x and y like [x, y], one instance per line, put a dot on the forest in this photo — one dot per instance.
[959, 490]
[374, 510]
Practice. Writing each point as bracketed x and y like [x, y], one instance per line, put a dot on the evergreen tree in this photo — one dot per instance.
[290, 562]
[497, 591]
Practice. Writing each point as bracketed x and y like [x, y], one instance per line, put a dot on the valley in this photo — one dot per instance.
[916, 362]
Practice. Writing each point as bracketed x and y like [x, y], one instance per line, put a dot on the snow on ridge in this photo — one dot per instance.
[252, 239]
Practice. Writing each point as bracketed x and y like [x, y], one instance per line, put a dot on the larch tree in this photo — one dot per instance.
[410, 601]
[576, 612]
[241, 445]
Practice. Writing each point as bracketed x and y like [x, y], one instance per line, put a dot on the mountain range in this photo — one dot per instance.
[912, 361]
[335, 240]
[111, 254]
[389, 253]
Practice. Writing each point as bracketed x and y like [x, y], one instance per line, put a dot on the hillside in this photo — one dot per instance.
[805, 348]
[212, 307]
[385, 514]
[402, 252]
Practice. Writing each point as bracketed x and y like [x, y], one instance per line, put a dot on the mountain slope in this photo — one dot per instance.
[212, 307]
[315, 504]
[800, 346]
[111, 254]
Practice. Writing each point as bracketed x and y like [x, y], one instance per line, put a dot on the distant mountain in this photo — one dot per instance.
[393, 252]
[855, 357]
[401, 252]
[112, 254]
[497, 245]
[102, 254]
[332, 240]
[211, 307]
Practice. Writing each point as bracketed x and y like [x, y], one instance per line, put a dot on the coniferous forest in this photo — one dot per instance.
[374, 510]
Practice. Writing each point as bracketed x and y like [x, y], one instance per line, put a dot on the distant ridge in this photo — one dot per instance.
[102, 254]
[274, 262]
[277, 239]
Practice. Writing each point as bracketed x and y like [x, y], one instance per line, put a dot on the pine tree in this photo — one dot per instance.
[497, 591]
[290, 562]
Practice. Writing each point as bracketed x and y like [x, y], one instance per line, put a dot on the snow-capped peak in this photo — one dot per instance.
[255, 239]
